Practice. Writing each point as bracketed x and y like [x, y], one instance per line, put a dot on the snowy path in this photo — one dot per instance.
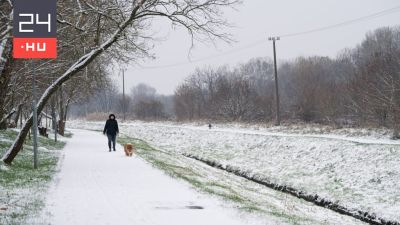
[99, 187]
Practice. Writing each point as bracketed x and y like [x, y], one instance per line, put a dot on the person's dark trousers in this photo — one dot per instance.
[111, 138]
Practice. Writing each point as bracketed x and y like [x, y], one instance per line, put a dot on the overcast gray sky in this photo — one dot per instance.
[255, 20]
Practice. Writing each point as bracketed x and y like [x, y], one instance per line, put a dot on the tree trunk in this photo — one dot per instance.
[61, 127]
[54, 118]
[74, 69]
[19, 112]
[19, 141]
[66, 109]
[396, 125]
[5, 76]
[61, 123]
[53, 114]
[3, 122]
[65, 114]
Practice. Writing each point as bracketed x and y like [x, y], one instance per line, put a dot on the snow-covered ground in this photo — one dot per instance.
[100, 187]
[23, 189]
[358, 168]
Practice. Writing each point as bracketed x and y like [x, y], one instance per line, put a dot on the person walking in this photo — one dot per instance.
[111, 129]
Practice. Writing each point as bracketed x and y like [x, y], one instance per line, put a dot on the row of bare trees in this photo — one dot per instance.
[237, 94]
[361, 86]
[142, 103]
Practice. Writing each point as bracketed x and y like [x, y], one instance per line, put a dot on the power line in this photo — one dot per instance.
[262, 41]
[345, 23]
[251, 45]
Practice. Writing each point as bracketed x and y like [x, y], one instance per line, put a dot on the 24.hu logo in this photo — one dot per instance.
[34, 29]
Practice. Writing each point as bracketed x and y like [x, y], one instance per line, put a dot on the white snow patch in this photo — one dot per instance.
[3, 167]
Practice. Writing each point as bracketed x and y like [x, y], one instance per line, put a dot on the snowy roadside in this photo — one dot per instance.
[266, 205]
[22, 189]
[361, 174]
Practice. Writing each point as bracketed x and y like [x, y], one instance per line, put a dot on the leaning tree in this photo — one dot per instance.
[118, 29]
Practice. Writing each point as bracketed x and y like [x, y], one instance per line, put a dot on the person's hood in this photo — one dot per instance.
[111, 115]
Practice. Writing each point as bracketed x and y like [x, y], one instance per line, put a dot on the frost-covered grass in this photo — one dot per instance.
[357, 168]
[271, 206]
[22, 188]
[357, 175]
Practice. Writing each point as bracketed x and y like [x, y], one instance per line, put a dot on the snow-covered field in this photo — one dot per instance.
[357, 168]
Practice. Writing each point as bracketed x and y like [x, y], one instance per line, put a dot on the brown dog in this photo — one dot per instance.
[128, 148]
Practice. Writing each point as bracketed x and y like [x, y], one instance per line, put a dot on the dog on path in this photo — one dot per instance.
[129, 148]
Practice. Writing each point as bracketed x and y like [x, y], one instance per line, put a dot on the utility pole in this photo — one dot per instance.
[278, 116]
[54, 115]
[123, 94]
[34, 125]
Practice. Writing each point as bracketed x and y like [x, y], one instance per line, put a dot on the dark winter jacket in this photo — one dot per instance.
[111, 126]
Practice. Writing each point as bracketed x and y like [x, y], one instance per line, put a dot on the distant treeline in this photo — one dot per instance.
[361, 86]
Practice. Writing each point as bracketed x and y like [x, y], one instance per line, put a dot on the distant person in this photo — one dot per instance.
[209, 126]
[111, 129]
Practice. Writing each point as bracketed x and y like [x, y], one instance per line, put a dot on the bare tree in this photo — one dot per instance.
[6, 60]
[376, 82]
[142, 92]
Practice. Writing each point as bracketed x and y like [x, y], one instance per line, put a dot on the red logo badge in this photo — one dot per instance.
[35, 29]
[35, 48]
